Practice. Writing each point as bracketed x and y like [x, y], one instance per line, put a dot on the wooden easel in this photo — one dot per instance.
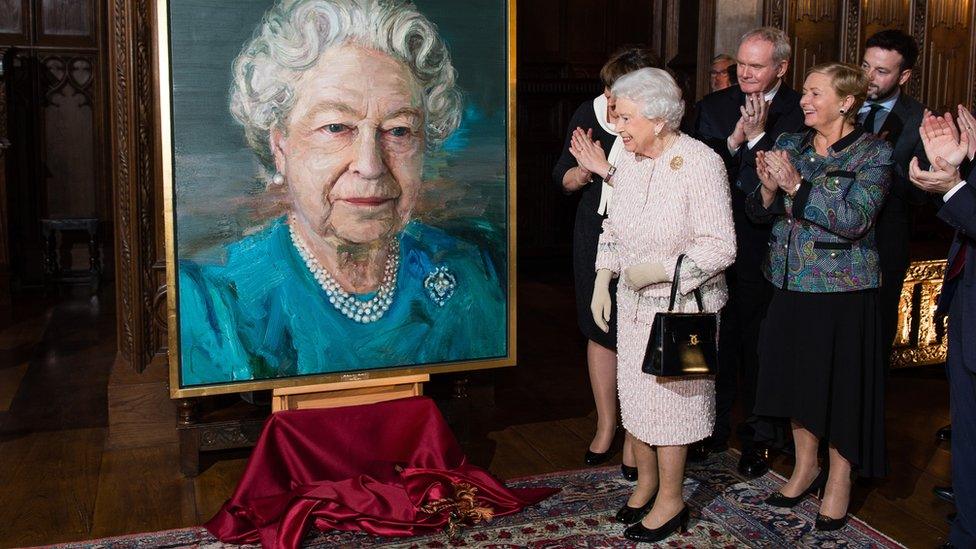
[347, 393]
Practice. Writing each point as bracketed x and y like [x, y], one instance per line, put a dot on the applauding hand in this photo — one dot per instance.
[942, 139]
[754, 114]
[967, 125]
[588, 153]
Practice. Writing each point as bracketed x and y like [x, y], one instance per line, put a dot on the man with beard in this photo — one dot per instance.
[889, 57]
[737, 122]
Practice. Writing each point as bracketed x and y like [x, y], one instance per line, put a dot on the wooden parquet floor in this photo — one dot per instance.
[60, 482]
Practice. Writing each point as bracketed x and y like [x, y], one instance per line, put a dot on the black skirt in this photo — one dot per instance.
[820, 364]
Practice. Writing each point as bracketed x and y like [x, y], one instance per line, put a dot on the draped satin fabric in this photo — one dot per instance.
[387, 469]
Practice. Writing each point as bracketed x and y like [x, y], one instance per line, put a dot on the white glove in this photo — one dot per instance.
[643, 274]
[600, 305]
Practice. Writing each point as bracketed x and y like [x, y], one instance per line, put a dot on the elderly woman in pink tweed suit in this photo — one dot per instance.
[671, 197]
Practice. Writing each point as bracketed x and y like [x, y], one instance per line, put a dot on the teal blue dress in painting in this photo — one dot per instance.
[263, 315]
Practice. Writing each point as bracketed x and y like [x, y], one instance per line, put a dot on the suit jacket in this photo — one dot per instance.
[960, 212]
[823, 238]
[900, 128]
[716, 116]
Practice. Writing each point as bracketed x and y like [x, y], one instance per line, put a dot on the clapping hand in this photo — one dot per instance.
[588, 153]
[967, 125]
[940, 180]
[779, 170]
[765, 176]
[754, 114]
[942, 139]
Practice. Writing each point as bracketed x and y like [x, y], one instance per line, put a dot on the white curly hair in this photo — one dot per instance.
[294, 33]
[656, 94]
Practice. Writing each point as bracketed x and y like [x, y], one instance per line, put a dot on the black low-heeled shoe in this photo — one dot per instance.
[777, 499]
[641, 533]
[827, 524]
[629, 473]
[630, 515]
[596, 458]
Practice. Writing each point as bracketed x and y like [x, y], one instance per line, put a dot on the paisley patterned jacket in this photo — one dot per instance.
[823, 238]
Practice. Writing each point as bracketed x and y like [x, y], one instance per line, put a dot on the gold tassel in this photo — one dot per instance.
[462, 508]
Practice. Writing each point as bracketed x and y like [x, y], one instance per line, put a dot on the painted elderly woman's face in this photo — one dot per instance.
[352, 147]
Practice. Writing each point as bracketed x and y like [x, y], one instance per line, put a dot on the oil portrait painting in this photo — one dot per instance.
[341, 195]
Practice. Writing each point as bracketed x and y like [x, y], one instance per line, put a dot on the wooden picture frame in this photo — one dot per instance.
[183, 267]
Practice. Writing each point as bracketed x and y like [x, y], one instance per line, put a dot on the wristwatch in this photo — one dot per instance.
[610, 172]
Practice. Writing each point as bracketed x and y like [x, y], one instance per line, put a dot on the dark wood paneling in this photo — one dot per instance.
[58, 164]
[66, 23]
[14, 22]
[825, 30]
[562, 46]
[815, 26]
[138, 214]
[948, 54]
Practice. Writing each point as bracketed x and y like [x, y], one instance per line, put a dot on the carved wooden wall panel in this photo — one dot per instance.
[140, 252]
[814, 27]
[57, 166]
[878, 15]
[947, 79]
[822, 30]
[561, 47]
[14, 22]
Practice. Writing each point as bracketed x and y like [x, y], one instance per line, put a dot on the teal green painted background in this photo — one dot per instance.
[215, 174]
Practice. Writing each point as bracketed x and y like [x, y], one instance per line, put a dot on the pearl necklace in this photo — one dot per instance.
[355, 309]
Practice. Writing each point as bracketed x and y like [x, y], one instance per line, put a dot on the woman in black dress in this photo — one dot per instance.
[595, 119]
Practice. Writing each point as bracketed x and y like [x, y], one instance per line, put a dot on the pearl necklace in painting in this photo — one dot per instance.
[355, 309]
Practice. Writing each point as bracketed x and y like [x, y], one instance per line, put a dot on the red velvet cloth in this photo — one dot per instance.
[368, 468]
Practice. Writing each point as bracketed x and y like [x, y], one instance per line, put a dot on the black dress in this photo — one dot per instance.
[821, 364]
[589, 225]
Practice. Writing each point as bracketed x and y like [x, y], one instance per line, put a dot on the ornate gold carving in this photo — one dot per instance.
[919, 340]
[677, 162]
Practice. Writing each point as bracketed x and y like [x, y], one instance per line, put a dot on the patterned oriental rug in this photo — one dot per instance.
[727, 512]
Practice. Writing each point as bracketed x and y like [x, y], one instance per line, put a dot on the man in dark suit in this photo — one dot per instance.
[889, 57]
[737, 122]
[958, 300]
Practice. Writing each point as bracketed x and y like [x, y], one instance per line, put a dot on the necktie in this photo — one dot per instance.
[871, 119]
[958, 264]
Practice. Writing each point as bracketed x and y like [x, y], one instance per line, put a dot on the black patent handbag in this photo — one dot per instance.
[682, 344]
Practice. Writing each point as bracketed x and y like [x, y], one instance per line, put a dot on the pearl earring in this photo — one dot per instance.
[278, 179]
[843, 111]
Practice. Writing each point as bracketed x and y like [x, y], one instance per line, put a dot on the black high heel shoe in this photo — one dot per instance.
[630, 515]
[596, 458]
[779, 500]
[639, 532]
[629, 473]
[827, 524]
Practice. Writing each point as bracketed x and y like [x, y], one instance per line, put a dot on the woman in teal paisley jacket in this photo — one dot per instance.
[820, 347]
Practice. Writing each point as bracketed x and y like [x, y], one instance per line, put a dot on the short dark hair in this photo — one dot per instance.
[896, 40]
[625, 60]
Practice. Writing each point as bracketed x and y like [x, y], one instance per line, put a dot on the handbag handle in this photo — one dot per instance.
[676, 281]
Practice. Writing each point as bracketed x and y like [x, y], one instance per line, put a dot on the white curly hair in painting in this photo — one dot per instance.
[295, 33]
